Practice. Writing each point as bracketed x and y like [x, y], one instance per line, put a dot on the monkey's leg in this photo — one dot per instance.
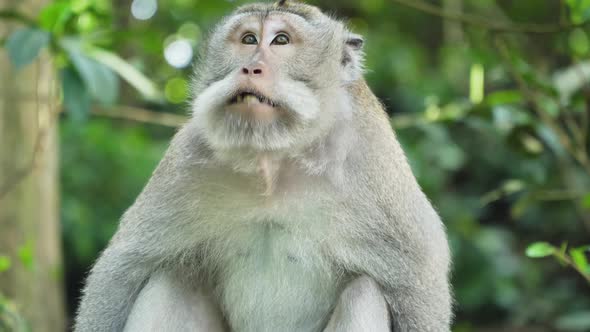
[361, 308]
[164, 304]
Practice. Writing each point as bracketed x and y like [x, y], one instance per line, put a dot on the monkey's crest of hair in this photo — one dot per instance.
[286, 2]
[306, 11]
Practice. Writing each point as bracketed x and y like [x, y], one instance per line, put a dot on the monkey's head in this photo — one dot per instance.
[274, 77]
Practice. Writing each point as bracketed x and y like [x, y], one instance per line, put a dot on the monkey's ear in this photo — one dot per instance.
[355, 42]
[353, 57]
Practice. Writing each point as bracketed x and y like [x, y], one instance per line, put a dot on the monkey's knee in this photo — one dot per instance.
[164, 304]
[361, 307]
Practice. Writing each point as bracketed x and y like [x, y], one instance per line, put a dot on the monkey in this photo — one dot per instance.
[285, 203]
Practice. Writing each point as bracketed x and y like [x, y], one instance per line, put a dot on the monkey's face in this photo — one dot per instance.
[272, 79]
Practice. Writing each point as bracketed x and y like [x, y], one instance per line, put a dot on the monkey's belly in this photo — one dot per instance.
[273, 281]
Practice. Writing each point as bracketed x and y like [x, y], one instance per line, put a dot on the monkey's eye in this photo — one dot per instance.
[249, 39]
[281, 39]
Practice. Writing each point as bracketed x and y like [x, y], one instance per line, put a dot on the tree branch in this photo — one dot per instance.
[22, 173]
[487, 24]
[123, 112]
[12, 14]
[142, 115]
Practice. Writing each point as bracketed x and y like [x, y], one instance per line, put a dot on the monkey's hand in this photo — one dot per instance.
[361, 308]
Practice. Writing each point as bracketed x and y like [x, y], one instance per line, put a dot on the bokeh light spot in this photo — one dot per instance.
[144, 9]
[179, 53]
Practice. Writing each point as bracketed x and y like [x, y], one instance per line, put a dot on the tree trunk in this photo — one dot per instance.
[29, 214]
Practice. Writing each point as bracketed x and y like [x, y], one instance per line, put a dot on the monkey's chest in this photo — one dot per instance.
[273, 280]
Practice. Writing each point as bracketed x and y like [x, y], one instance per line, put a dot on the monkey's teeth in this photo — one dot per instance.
[250, 99]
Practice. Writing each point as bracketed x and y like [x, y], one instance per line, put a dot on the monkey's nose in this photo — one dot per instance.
[256, 69]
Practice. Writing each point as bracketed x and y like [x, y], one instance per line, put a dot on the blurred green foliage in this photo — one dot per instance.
[495, 125]
[10, 318]
[102, 174]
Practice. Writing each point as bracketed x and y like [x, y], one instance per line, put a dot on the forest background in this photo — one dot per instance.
[490, 99]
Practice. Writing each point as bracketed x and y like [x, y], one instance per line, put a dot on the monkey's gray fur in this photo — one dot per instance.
[307, 218]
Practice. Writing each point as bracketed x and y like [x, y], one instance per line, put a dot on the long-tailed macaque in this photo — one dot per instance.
[284, 204]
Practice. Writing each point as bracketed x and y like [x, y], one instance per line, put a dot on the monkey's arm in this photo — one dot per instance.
[416, 286]
[396, 236]
[149, 235]
[111, 288]
[119, 275]
[412, 273]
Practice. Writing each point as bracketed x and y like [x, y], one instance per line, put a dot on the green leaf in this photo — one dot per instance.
[102, 83]
[130, 74]
[579, 42]
[77, 100]
[579, 10]
[580, 260]
[55, 16]
[513, 185]
[586, 201]
[531, 144]
[504, 97]
[25, 44]
[79, 6]
[477, 83]
[4, 263]
[540, 249]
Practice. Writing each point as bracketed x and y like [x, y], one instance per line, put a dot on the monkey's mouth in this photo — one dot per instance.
[251, 97]
[253, 105]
